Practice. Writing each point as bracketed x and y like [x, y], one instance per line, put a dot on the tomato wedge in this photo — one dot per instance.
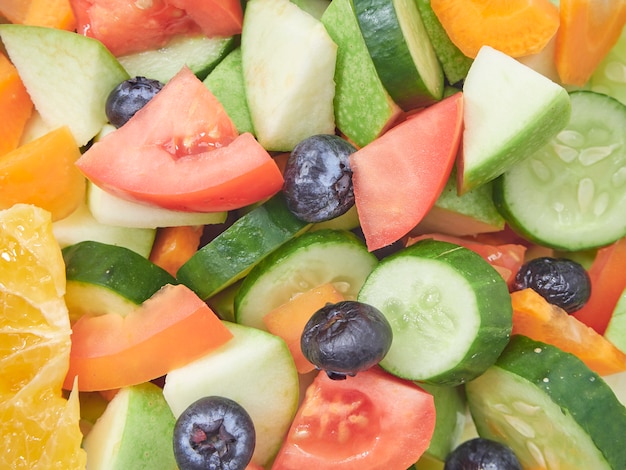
[182, 152]
[373, 421]
[168, 330]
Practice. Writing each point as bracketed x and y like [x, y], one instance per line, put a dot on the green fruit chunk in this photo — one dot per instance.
[550, 408]
[308, 261]
[68, 76]
[103, 278]
[135, 431]
[450, 312]
[233, 253]
[616, 329]
[363, 107]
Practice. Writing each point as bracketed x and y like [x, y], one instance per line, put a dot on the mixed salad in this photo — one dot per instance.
[297, 234]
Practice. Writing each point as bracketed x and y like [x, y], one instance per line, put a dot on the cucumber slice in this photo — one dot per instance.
[104, 278]
[571, 194]
[550, 408]
[310, 260]
[233, 253]
[401, 50]
[200, 53]
[449, 310]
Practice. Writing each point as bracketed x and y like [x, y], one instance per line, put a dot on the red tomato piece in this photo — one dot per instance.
[373, 421]
[608, 281]
[167, 331]
[507, 258]
[181, 151]
[215, 17]
[398, 177]
[125, 26]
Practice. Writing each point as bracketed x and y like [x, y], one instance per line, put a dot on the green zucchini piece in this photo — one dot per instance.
[571, 194]
[401, 50]
[550, 408]
[200, 53]
[307, 261]
[234, 252]
[449, 309]
[103, 278]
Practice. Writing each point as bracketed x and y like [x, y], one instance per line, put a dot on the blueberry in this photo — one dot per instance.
[560, 281]
[129, 97]
[318, 178]
[345, 338]
[482, 454]
[214, 433]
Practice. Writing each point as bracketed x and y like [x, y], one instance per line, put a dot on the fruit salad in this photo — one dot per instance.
[303, 234]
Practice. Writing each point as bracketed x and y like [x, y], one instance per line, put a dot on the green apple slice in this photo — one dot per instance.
[288, 63]
[68, 76]
[495, 138]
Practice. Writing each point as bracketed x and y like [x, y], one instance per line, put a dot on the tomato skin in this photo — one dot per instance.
[373, 420]
[167, 331]
[181, 151]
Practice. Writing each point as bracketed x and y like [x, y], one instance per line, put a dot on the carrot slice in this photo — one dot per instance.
[51, 13]
[43, 172]
[515, 27]
[588, 31]
[173, 246]
[608, 281]
[536, 318]
[15, 106]
[289, 319]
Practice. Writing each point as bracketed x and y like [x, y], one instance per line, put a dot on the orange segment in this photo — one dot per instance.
[42, 173]
[39, 427]
[174, 246]
[515, 27]
[534, 317]
[52, 13]
[289, 319]
[588, 31]
[15, 106]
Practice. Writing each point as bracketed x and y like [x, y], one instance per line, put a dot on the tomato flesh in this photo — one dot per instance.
[373, 420]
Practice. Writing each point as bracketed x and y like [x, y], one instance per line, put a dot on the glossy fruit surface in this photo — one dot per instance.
[318, 178]
[129, 97]
[346, 338]
[482, 454]
[214, 433]
[560, 281]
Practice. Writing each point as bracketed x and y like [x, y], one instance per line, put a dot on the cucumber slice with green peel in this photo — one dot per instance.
[401, 50]
[616, 329]
[103, 278]
[233, 253]
[307, 261]
[449, 310]
[550, 408]
[200, 53]
[571, 194]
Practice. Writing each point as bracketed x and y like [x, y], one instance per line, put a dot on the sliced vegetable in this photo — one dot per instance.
[358, 423]
[164, 155]
[517, 28]
[549, 408]
[608, 281]
[169, 330]
[535, 317]
[27, 171]
[15, 106]
[173, 246]
[288, 320]
[398, 177]
[587, 32]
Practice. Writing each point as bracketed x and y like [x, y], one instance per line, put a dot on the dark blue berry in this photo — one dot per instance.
[129, 97]
[482, 454]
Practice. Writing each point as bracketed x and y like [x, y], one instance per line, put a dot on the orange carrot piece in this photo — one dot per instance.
[289, 319]
[534, 317]
[43, 172]
[173, 246]
[15, 106]
[51, 13]
[515, 27]
[588, 31]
